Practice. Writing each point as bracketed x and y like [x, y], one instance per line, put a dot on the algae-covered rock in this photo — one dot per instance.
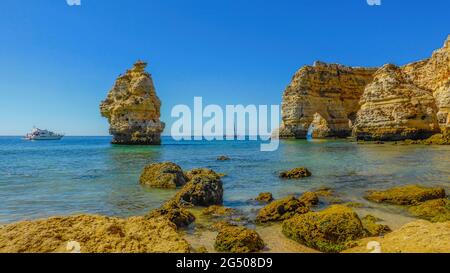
[280, 210]
[223, 158]
[236, 239]
[310, 199]
[218, 211]
[163, 175]
[201, 190]
[406, 195]
[296, 173]
[372, 228]
[330, 230]
[173, 212]
[437, 210]
[264, 197]
[95, 234]
[201, 171]
[324, 192]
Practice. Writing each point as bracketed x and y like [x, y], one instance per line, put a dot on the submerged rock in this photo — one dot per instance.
[264, 197]
[280, 210]
[95, 234]
[163, 175]
[416, 237]
[296, 173]
[223, 158]
[437, 210]
[372, 228]
[330, 230]
[218, 211]
[201, 190]
[406, 195]
[173, 212]
[133, 109]
[236, 239]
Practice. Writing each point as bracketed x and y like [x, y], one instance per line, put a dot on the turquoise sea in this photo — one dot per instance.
[89, 175]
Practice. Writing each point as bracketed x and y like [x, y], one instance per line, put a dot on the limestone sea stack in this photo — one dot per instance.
[133, 109]
[388, 103]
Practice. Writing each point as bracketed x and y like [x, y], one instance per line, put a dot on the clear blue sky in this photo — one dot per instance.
[58, 62]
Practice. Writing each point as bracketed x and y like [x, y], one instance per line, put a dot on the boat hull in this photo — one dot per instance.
[46, 138]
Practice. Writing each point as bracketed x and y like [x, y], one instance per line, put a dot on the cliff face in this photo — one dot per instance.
[393, 108]
[133, 109]
[325, 95]
[389, 103]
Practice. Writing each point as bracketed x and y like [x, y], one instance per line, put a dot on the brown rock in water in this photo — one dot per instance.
[236, 239]
[201, 171]
[264, 197]
[372, 228]
[416, 237]
[437, 210]
[330, 230]
[95, 234]
[223, 158]
[388, 103]
[173, 212]
[406, 195]
[309, 199]
[163, 175]
[296, 173]
[133, 109]
[204, 189]
[218, 211]
[280, 210]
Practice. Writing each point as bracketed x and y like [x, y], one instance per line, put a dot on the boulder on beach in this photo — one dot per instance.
[416, 237]
[437, 210]
[309, 199]
[406, 195]
[95, 234]
[296, 173]
[373, 228]
[201, 190]
[282, 209]
[264, 197]
[330, 230]
[173, 212]
[163, 175]
[236, 239]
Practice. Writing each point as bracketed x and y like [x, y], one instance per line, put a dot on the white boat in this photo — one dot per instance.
[38, 134]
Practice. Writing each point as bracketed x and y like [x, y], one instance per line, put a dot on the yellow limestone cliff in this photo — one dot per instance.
[387, 103]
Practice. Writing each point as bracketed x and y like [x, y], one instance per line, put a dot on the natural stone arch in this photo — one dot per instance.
[319, 127]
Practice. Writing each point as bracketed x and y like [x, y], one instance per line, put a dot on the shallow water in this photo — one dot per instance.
[89, 175]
